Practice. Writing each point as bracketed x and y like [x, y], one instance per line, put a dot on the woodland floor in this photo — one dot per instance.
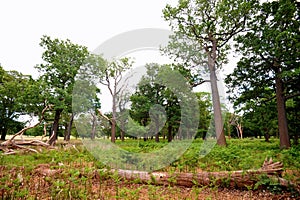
[74, 174]
[40, 183]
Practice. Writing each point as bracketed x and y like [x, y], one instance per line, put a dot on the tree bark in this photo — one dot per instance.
[114, 115]
[113, 130]
[3, 133]
[157, 129]
[66, 132]
[215, 94]
[281, 111]
[93, 132]
[241, 179]
[53, 136]
[69, 128]
[170, 135]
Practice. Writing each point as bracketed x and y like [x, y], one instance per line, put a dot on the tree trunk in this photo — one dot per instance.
[53, 136]
[157, 129]
[240, 128]
[69, 128]
[122, 130]
[232, 179]
[267, 137]
[122, 135]
[66, 132]
[93, 132]
[170, 135]
[215, 95]
[281, 110]
[114, 116]
[3, 133]
[113, 130]
[204, 135]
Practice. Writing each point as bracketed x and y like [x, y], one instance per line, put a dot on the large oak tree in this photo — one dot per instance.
[62, 60]
[208, 26]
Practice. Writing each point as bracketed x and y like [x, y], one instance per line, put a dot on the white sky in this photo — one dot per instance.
[88, 23]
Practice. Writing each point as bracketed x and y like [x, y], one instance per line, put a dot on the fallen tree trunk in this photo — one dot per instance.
[240, 179]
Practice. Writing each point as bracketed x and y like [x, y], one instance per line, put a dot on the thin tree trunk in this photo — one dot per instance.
[267, 137]
[113, 130]
[114, 113]
[66, 132]
[69, 128]
[93, 132]
[215, 95]
[3, 133]
[239, 126]
[170, 135]
[122, 134]
[53, 136]
[282, 118]
[156, 129]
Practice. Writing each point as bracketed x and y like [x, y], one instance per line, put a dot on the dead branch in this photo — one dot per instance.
[104, 116]
[45, 129]
[11, 144]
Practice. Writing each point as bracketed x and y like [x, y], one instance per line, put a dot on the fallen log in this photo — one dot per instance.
[239, 179]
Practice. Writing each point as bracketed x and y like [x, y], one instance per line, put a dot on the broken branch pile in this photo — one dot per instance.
[10, 145]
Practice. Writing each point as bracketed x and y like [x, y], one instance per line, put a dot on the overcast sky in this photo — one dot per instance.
[88, 23]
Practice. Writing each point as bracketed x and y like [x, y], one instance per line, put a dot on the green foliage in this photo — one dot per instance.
[238, 155]
[62, 60]
[80, 176]
[205, 109]
[151, 94]
[19, 95]
[260, 120]
[160, 102]
[270, 55]
[203, 30]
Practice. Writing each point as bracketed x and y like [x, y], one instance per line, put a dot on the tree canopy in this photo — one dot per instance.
[269, 67]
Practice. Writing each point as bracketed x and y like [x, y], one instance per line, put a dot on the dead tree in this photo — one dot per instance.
[240, 179]
[236, 121]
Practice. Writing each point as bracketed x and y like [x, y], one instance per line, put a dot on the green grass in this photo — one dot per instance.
[238, 155]
[78, 166]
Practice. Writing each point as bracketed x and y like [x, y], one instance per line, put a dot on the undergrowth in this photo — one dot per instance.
[81, 176]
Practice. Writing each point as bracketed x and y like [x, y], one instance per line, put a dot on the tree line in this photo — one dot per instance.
[264, 86]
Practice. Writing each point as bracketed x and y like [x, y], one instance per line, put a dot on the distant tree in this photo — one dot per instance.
[110, 74]
[237, 121]
[62, 60]
[148, 94]
[293, 110]
[205, 108]
[207, 27]
[156, 105]
[260, 120]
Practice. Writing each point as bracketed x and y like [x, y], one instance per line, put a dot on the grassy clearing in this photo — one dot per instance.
[73, 173]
